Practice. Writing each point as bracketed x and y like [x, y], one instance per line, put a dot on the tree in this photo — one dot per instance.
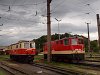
[94, 46]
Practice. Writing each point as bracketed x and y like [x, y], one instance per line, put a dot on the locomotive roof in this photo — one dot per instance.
[67, 38]
[23, 41]
[70, 38]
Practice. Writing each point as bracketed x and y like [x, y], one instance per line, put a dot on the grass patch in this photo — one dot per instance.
[3, 72]
[61, 64]
[4, 57]
[82, 70]
[38, 57]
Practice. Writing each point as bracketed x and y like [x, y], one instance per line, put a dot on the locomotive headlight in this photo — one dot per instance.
[77, 49]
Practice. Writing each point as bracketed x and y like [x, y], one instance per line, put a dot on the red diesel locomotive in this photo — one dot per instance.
[23, 51]
[66, 49]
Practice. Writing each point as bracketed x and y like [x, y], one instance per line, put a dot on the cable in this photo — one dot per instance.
[89, 5]
[21, 4]
[9, 10]
[57, 6]
[21, 20]
[80, 15]
[91, 8]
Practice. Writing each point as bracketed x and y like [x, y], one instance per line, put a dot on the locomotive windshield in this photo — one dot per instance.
[32, 45]
[26, 45]
[80, 41]
[74, 42]
[66, 42]
[29, 45]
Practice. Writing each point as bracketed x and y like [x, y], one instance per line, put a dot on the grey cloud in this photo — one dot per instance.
[28, 26]
[68, 27]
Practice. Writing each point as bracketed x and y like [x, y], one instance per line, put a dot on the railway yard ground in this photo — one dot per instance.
[91, 67]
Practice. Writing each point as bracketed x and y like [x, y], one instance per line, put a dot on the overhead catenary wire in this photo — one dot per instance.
[36, 10]
[37, 3]
[10, 6]
[20, 20]
[91, 8]
[87, 13]
[10, 10]
[59, 4]
[56, 7]
[89, 5]
[22, 4]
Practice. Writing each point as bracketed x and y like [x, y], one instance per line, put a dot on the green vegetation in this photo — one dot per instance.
[94, 46]
[38, 57]
[3, 72]
[4, 57]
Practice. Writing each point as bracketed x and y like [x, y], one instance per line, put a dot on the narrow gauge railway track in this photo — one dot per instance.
[56, 69]
[11, 70]
[93, 60]
[89, 64]
[93, 57]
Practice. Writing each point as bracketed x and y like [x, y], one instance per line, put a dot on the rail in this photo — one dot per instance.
[56, 69]
[12, 70]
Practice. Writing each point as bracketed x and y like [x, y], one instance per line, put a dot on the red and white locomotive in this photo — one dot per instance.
[23, 51]
[66, 49]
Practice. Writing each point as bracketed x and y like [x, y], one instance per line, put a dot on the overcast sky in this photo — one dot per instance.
[26, 19]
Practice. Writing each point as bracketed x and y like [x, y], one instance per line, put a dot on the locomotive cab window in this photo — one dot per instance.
[30, 45]
[16, 46]
[66, 42]
[33, 45]
[74, 42]
[26, 45]
[80, 41]
[20, 45]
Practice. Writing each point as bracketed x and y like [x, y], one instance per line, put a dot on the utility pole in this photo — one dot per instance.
[88, 36]
[48, 31]
[98, 25]
[58, 27]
